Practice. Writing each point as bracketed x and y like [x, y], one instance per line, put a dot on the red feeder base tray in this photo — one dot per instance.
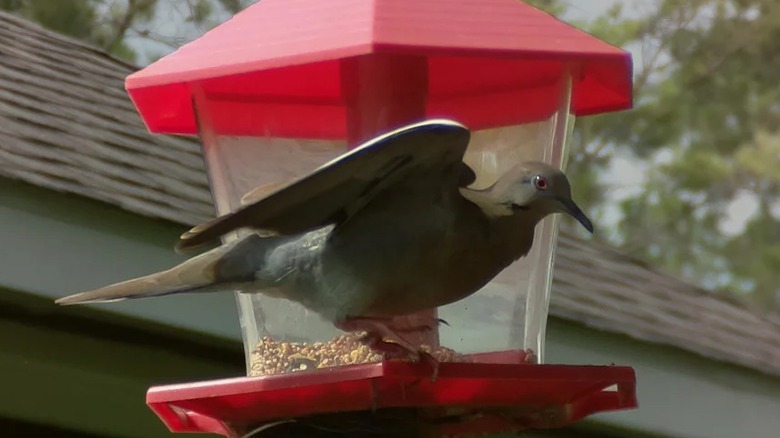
[466, 398]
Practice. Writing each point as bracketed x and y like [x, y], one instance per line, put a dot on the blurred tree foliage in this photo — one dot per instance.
[705, 128]
[110, 23]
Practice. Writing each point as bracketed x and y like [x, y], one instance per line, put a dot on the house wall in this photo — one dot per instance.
[58, 244]
[680, 394]
[88, 372]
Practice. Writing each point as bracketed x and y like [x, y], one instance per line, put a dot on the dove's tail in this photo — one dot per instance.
[195, 274]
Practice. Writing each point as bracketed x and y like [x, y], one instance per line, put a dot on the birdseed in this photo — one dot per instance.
[271, 357]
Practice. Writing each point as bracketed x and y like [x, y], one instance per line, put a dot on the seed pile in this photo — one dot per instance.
[271, 357]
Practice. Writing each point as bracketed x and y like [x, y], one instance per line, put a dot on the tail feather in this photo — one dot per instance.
[196, 273]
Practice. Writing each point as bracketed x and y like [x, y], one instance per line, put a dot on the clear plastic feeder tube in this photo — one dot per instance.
[510, 312]
[506, 315]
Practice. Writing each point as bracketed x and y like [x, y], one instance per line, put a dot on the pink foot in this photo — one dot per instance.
[422, 327]
[388, 350]
[382, 338]
[364, 323]
[378, 331]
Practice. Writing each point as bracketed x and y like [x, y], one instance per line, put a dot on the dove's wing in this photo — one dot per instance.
[337, 190]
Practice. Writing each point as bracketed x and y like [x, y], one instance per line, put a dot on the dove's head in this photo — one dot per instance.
[539, 189]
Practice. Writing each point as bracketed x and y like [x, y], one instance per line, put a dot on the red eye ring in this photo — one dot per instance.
[540, 182]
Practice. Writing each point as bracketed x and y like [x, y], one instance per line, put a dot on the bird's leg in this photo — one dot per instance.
[388, 350]
[388, 324]
[422, 327]
[377, 330]
[392, 350]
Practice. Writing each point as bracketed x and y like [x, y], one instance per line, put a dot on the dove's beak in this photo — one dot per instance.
[571, 207]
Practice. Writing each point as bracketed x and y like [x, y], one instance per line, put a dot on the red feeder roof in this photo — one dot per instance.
[283, 56]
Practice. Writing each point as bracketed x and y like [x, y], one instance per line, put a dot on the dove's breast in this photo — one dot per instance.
[402, 258]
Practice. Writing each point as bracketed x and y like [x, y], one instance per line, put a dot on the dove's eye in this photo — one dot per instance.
[540, 182]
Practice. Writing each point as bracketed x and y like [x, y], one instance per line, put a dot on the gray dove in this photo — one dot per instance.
[387, 229]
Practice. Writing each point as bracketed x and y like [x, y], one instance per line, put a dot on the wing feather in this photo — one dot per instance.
[340, 188]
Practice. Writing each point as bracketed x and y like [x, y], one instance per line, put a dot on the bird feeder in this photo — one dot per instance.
[286, 86]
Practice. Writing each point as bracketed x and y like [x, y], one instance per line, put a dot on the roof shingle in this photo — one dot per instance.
[67, 124]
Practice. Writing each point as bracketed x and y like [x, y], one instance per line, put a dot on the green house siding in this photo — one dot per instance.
[57, 244]
[87, 371]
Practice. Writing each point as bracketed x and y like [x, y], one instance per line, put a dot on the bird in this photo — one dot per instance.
[387, 229]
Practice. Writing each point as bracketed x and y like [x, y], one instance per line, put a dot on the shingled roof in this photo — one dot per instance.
[67, 124]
